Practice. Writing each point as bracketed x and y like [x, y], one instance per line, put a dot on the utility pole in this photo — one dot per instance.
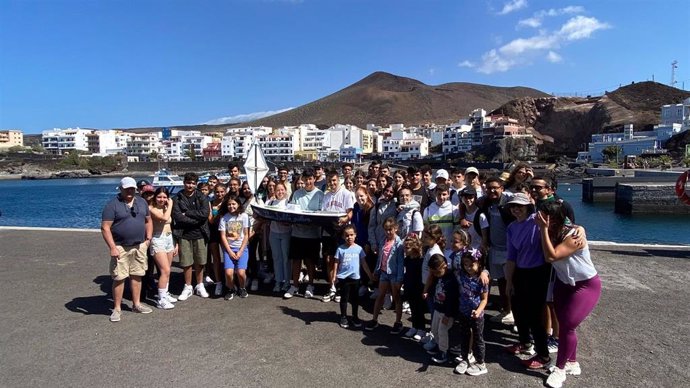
[674, 66]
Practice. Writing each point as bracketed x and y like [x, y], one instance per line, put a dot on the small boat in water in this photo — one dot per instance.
[172, 182]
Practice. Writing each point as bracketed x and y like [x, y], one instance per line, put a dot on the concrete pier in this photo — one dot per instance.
[54, 330]
[603, 188]
[648, 198]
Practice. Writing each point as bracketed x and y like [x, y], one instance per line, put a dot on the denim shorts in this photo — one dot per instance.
[162, 243]
[241, 263]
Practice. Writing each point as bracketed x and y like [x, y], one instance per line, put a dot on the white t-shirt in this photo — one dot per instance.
[341, 201]
[233, 226]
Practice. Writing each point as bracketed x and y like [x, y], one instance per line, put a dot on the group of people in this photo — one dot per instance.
[430, 241]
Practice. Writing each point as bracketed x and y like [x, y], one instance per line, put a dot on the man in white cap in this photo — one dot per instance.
[127, 230]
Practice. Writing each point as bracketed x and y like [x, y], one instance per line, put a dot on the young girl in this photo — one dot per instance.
[162, 243]
[433, 240]
[444, 289]
[473, 297]
[360, 219]
[390, 271]
[349, 257]
[214, 241]
[279, 239]
[412, 283]
[234, 235]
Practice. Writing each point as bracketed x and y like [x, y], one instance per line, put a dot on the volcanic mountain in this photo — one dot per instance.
[382, 98]
[571, 121]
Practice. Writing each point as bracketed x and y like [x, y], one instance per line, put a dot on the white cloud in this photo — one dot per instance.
[537, 18]
[522, 51]
[512, 6]
[466, 63]
[553, 57]
[533, 22]
[581, 27]
[242, 118]
[432, 71]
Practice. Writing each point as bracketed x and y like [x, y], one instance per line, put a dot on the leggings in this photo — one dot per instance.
[472, 328]
[530, 286]
[349, 291]
[573, 304]
[418, 307]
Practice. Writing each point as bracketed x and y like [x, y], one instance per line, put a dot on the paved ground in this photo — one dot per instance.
[54, 330]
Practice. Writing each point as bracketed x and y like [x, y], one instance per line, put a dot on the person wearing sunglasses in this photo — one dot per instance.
[127, 229]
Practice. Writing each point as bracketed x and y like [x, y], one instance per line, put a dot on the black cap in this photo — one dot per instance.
[468, 191]
[143, 183]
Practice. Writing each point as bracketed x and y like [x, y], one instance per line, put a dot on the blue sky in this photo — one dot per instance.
[123, 64]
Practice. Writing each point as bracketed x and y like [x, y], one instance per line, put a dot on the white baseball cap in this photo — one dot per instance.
[442, 174]
[128, 183]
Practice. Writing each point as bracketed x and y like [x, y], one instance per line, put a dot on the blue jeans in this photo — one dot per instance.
[280, 247]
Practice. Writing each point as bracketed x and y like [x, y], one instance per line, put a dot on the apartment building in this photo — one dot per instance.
[61, 141]
[11, 138]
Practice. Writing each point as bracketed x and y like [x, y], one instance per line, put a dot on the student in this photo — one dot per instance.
[279, 240]
[444, 296]
[338, 199]
[390, 271]
[433, 240]
[472, 215]
[577, 289]
[409, 216]
[474, 295]
[412, 282]
[419, 191]
[350, 258]
[442, 212]
[191, 231]
[160, 207]
[214, 242]
[234, 237]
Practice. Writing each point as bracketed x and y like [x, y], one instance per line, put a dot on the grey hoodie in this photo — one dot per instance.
[377, 216]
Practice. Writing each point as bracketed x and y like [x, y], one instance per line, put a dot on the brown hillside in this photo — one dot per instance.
[384, 98]
[571, 121]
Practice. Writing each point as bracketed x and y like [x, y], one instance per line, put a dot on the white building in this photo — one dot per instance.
[414, 148]
[457, 138]
[61, 141]
[104, 143]
[631, 143]
[141, 145]
[676, 113]
[279, 147]
[236, 141]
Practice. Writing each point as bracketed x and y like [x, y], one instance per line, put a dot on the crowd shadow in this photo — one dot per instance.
[309, 317]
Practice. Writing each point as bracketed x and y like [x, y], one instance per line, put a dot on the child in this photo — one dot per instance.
[234, 237]
[442, 212]
[413, 285]
[445, 301]
[472, 216]
[473, 298]
[432, 238]
[349, 257]
[203, 187]
[389, 270]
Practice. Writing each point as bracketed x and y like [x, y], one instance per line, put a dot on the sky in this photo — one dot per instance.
[124, 64]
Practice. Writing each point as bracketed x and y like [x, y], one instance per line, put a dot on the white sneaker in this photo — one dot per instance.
[219, 289]
[462, 367]
[571, 368]
[208, 280]
[187, 291]
[427, 338]
[201, 291]
[165, 304]
[255, 285]
[292, 291]
[477, 370]
[170, 298]
[410, 333]
[309, 293]
[508, 319]
[406, 308]
[556, 378]
[419, 335]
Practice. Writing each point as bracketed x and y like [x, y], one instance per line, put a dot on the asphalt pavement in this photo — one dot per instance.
[54, 330]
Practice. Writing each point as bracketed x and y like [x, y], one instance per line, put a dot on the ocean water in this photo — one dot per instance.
[77, 203]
